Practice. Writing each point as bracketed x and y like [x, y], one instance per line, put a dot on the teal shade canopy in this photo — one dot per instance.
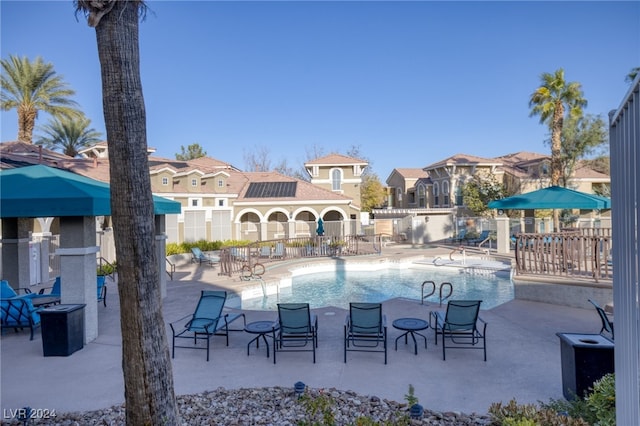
[553, 197]
[42, 191]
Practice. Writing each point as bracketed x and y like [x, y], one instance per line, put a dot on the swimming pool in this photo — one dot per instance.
[339, 287]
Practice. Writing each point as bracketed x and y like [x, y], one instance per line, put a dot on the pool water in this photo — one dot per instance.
[338, 288]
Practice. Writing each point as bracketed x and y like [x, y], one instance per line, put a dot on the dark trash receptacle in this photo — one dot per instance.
[62, 329]
[585, 359]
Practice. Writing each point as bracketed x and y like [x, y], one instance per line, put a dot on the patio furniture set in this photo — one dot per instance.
[296, 327]
[20, 311]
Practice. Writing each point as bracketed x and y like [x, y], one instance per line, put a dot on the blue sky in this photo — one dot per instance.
[410, 83]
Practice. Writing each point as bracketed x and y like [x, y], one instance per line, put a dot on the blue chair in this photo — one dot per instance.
[460, 237]
[198, 256]
[56, 289]
[7, 292]
[18, 313]
[279, 251]
[206, 321]
[265, 251]
[365, 329]
[297, 329]
[460, 326]
[483, 236]
[237, 253]
[102, 289]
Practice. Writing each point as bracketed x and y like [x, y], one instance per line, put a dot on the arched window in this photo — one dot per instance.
[336, 179]
[398, 197]
[422, 200]
[459, 196]
[436, 194]
[445, 192]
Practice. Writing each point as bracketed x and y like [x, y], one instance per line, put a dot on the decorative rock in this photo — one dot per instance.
[274, 406]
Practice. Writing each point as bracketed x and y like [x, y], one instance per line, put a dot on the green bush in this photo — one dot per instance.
[319, 409]
[235, 243]
[106, 268]
[204, 245]
[410, 396]
[514, 414]
[597, 408]
[602, 401]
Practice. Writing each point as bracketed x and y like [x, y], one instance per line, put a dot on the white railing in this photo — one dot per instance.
[624, 139]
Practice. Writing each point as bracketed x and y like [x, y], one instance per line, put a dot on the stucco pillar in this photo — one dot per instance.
[15, 252]
[503, 237]
[45, 243]
[78, 268]
[161, 250]
[291, 225]
[264, 234]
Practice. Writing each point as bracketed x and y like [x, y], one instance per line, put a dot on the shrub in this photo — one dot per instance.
[106, 268]
[602, 401]
[410, 397]
[513, 414]
[235, 243]
[204, 245]
[598, 407]
[319, 409]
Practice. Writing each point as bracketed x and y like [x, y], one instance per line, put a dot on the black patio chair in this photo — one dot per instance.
[298, 329]
[607, 324]
[459, 326]
[365, 329]
[207, 321]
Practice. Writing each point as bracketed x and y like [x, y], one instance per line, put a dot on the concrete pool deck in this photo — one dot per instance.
[523, 356]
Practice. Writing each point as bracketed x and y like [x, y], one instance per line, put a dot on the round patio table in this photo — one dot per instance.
[261, 328]
[411, 326]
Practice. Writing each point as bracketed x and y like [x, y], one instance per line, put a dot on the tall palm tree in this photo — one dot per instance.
[68, 135]
[550, 101]
[30, 87]
[146, 362]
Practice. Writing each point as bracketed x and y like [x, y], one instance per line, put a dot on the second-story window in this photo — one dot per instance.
[336, 179]
[422, 202]
[445, 192]
[165, 181]
[544, 169]
[436, 194]
[459, 197]
[220, 183]
[194, 182]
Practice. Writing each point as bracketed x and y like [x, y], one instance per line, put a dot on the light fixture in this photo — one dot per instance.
[299, 388]
[416, 411]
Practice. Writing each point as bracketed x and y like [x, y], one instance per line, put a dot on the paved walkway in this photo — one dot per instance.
[523, 356]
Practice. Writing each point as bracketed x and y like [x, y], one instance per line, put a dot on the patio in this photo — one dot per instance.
[523, 357]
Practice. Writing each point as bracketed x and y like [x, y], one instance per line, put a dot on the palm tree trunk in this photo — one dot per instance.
[556, 143]
[26, 123]
[556, 154]
[148, 376]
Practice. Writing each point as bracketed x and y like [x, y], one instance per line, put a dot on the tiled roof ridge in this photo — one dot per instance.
[336, 158]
